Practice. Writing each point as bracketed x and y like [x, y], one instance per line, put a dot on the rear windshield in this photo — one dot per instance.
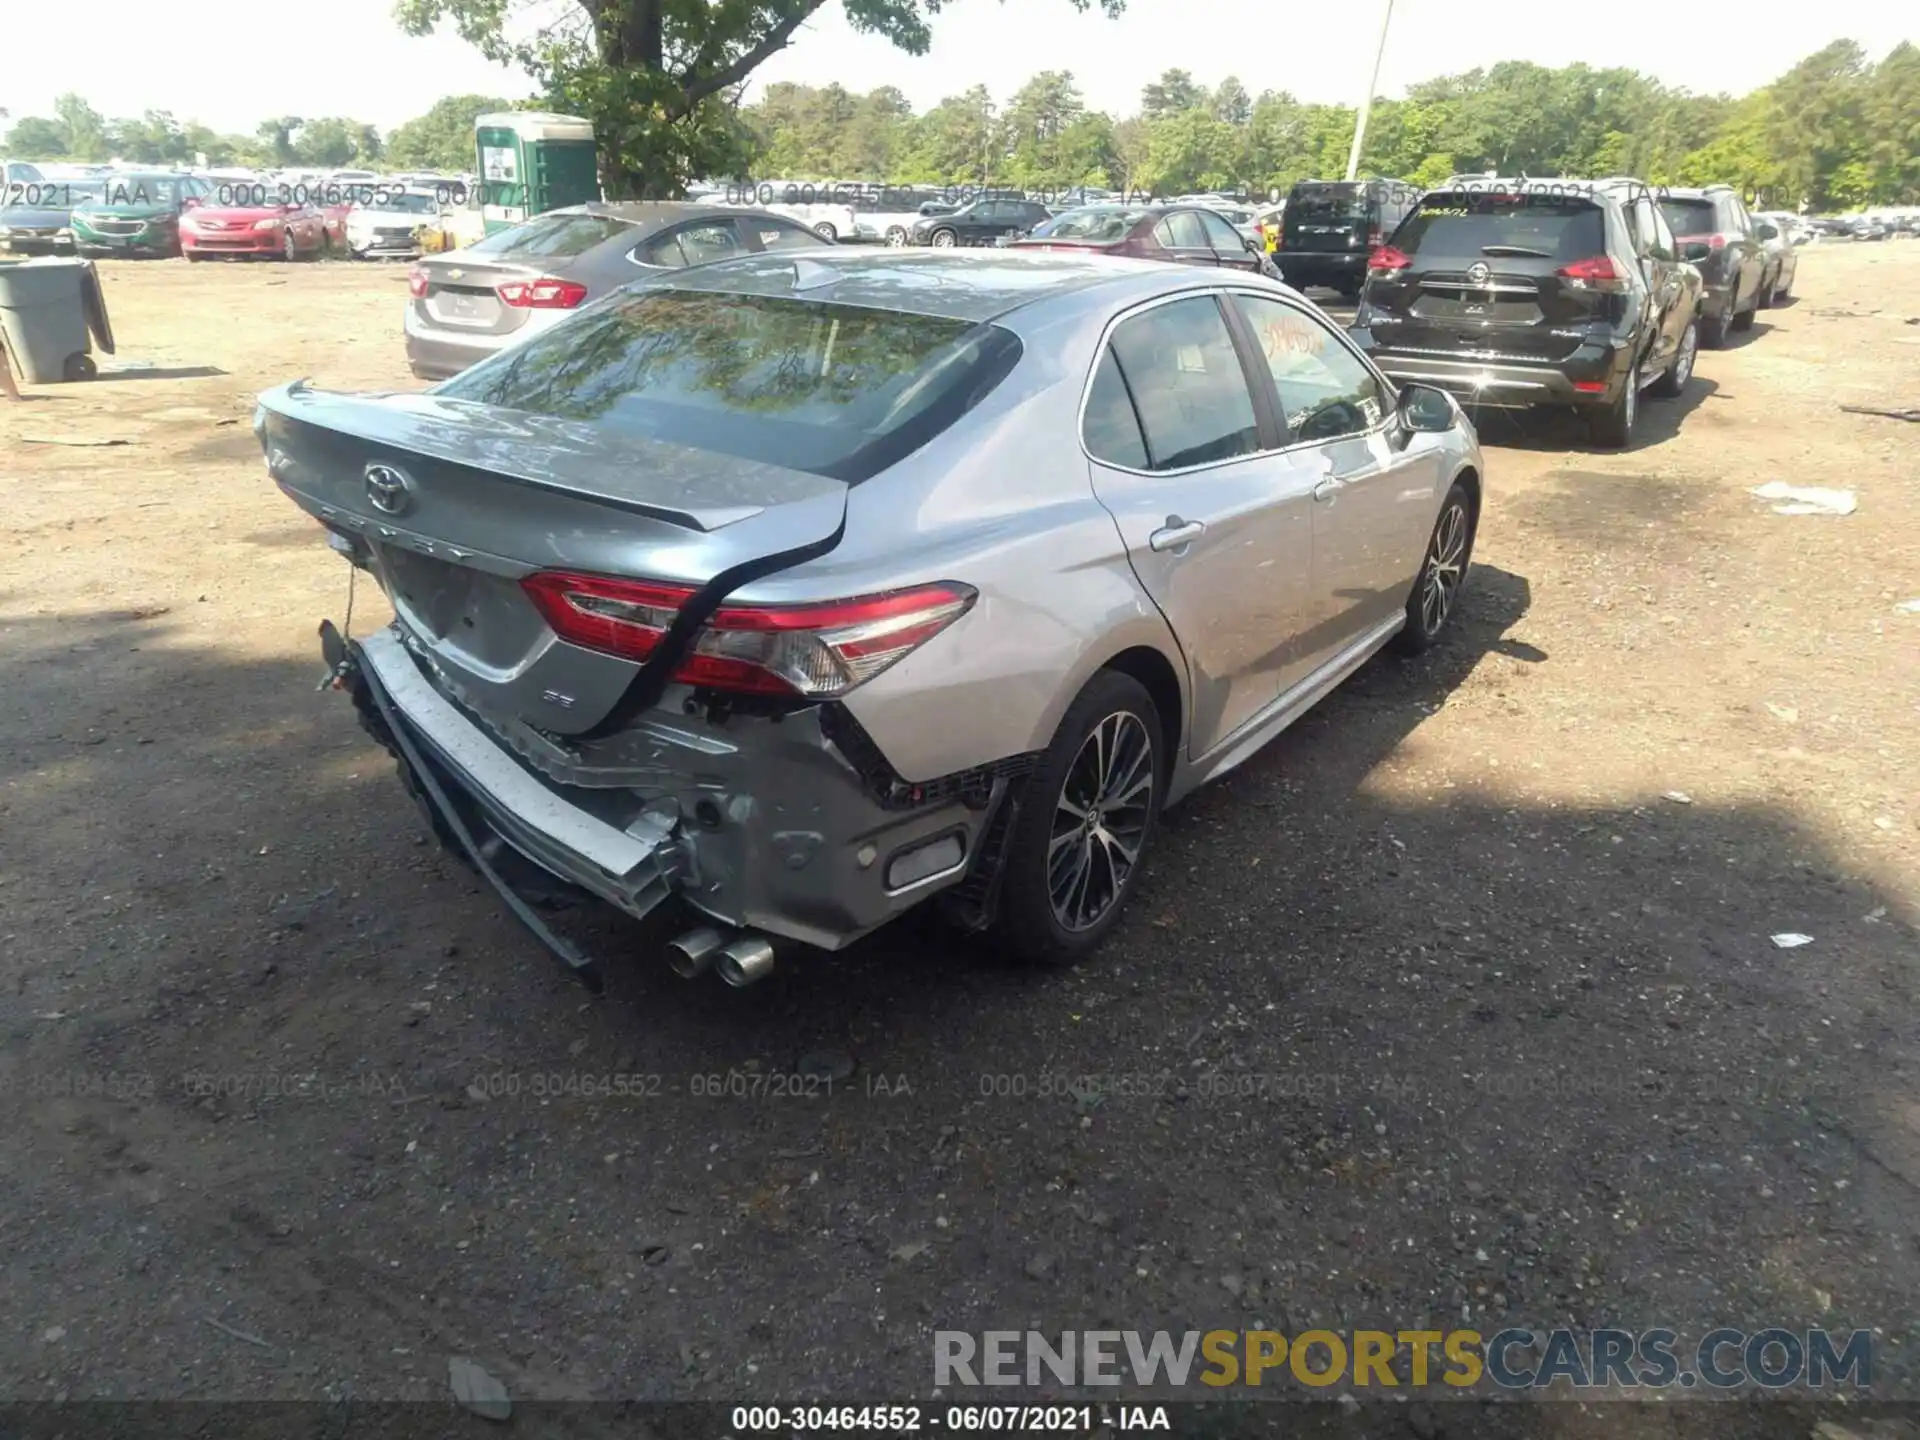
[1544, 226]
[1688, 218]
[1326, 204]
[838, 390]
[552, 237]
[1102, 226]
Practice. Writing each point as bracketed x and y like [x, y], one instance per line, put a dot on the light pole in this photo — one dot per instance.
[1366, 101]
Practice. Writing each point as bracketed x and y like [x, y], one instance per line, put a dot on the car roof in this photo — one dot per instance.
[974, 286]
[651, 215]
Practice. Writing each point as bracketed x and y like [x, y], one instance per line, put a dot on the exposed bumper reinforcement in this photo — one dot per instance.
[631, 870]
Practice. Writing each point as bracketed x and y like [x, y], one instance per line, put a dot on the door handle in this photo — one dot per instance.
[1326, 488]
[1175, 533]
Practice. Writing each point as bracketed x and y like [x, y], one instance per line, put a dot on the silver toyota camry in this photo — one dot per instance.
[803, 589]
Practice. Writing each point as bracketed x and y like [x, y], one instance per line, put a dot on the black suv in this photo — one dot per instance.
[1513, 293]
[1331, 226]
[982, 222]
[1718, 235]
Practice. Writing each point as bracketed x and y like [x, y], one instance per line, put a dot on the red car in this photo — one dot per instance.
[1184, 234]
[293, 232]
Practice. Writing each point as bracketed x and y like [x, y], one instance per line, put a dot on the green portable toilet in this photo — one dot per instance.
[530, 162]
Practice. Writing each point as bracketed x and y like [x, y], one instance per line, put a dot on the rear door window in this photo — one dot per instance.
[1470, 224]
[1181, 231]
[1187, 384]
[1111, 428]
[697, 244]
[773, 235]
[1222, 236]
[550, 237]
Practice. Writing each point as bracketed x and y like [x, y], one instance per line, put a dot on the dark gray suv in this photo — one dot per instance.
[1515, 293]
[1718, 235]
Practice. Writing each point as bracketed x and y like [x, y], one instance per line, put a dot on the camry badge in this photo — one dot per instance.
[388, 489]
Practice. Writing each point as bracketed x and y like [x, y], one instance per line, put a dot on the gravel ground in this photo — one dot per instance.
[1456, 1005]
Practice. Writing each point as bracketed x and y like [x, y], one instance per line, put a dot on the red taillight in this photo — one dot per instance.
[546, 293]
[1597, 272]
[1388, 259]
[1712, 242]
[1591, 387]
[817, 650]
[417, 282]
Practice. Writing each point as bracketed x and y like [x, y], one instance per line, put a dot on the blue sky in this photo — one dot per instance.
[346, 57]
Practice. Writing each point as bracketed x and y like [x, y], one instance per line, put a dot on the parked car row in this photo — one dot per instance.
[163, 214]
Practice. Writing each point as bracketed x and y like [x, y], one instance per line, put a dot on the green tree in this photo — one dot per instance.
[1172, 93]
[442, 139]
[34, 137]
[86, 128]
[1231, 102]
[660, 78]
[277, 135]
[327, 143]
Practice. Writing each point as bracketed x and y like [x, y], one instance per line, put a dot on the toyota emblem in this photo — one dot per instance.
[1478, 273]
[388, 489]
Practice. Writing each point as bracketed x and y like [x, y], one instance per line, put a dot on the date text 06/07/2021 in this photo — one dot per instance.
[957, 1419]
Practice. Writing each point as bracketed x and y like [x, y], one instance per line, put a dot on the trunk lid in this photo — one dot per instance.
[460, 294]
[466, 499]
[1483, 278]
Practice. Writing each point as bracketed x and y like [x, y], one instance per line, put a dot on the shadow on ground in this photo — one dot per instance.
[1358, 1057]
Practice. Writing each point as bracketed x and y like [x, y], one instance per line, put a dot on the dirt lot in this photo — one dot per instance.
[1456, 1005]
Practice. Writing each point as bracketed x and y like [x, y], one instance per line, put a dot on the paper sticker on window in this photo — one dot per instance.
[1192, 362]
[1285, 333]
[499, 163]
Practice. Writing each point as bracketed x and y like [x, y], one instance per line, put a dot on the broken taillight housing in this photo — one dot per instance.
[417, 282]
[818, 650]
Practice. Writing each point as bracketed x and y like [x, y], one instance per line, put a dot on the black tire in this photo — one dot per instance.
[79, 367]
[1449, 548]
[1764, 300]
[1713, 330]
[1742, 320]
[1030, 923]
[289, 245]
[194, 257]
[827, 232]
[943, 239]
[1611, 425]
[896, 236]
[1680, 372]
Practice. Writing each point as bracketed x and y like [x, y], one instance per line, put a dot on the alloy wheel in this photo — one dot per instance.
[943, 239]
[1683, 362]
[288, 248]
[1100, 820]
[1445, 565]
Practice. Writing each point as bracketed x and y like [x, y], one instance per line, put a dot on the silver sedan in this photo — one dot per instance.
[808, 589]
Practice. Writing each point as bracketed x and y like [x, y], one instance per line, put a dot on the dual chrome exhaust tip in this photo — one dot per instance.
[740, 957]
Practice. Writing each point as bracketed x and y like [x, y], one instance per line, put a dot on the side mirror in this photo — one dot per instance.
[1695, 250]
[1767, 232]
[1424, 409]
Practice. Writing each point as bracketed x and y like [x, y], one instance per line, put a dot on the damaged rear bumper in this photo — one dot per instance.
[794, 826]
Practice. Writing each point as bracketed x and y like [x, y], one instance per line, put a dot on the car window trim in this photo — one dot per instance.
[1264, 407]
[1389, 391]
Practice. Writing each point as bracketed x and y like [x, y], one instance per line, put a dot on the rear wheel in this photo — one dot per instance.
[1743, 319]
[896, 236]
[1764, 300]
[79, 367]
[1612, 424]
[1713, 328]
[1681, 371]
[1442, 574]
[1088, 815]
[826, 232]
